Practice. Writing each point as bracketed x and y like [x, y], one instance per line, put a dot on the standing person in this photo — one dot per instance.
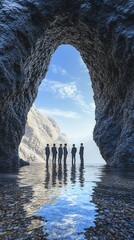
[65, 152]
[60, 152]
[54, 153]
[47, 153]
[81, 152]
[73, 151]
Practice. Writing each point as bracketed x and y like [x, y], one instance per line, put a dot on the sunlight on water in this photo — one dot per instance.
[71, 211]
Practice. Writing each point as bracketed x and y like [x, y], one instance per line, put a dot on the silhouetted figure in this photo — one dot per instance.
[60, 152]
[47, 153]
[73, 152]
[81, 152]
[54, 153]
[65, 151]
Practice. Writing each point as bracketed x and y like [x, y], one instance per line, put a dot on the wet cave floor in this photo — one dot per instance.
[67, 201]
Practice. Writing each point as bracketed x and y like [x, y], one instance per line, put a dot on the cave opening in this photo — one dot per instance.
[65, 95]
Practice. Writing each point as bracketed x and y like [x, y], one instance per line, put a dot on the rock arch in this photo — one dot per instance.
[103, 32]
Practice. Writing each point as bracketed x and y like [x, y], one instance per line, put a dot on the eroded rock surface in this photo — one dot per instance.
[103, 32]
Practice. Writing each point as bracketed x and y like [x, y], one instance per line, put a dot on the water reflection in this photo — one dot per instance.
[73, 173]
[62, 195]
[81, 175]
[60, 174]
[54, 174]
[47, 176]
[71, 211]
[65, 173]
[61, 192]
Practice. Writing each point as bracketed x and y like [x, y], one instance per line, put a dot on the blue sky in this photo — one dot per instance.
[66, 94]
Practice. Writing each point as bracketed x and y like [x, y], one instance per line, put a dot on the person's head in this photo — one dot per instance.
[73, 145]
[60, 145]
[81, 144]
[65, 144]
[47, 145]
[54, 144]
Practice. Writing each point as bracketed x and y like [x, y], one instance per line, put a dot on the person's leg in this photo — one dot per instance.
[53, 158]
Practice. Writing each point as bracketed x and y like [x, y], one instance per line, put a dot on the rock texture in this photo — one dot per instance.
[103, 32]
[39, 131]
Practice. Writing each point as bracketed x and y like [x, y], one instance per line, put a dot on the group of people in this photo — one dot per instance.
[63, 152]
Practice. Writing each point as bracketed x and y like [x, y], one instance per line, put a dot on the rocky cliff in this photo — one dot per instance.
[39, 131]
[103, 32]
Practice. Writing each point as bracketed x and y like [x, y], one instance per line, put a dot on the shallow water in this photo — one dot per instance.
[70, 210]
[62, 196]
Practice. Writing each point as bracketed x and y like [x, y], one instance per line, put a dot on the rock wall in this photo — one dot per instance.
[39, 131]
[103, 32]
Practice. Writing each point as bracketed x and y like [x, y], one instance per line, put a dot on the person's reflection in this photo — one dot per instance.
[81, 176]
[60, 173]
[54, 174]
[73, 173]
[47, 176]
[65, 173]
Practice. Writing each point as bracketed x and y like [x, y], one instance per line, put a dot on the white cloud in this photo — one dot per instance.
[67, 90]
[58, 70]
[64, 90]
[59, 113]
